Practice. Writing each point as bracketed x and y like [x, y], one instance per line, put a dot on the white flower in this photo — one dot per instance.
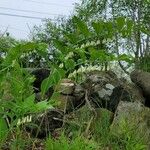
[69, 55]
[24, 120]
[98, 42]
[43, 59]
[22, 56]
[79, 70]
[13, 63]
[83, 46]
[61, 65]
[90, 68]
[19, 122]
[31, 60]
[34, 51]
[87, 44]
[30, 53]
[74, 73]
[92, 43]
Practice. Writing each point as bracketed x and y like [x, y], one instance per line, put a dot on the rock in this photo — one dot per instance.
[135, 93]
[132, 117]
[70, 96]
[110, 98]
[79, 94]
[103, 92]
[79, 118]
[106, 90]
[102, 77]
[40, 74]
[66, 87]
[142, 80]
[45, 123]
[66, 103]
[84, 118]
[119, 94]
[101, 86]
[109, 86]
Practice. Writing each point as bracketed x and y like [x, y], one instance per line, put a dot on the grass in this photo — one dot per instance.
[76, 143]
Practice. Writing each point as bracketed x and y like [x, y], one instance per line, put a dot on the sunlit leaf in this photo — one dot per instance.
[120, 21]
[82, 26]
[70, 64]
[98, 27]
[43, 105]
[53, 79]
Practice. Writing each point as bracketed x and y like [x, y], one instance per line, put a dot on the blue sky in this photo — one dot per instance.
[19, 27]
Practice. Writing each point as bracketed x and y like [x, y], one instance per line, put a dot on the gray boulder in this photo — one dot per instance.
[132, 118]
[106, 90]
[142, 80]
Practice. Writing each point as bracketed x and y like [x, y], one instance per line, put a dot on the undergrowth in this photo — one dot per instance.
[17, 98]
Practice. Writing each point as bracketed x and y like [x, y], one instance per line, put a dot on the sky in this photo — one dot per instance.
[19, 27]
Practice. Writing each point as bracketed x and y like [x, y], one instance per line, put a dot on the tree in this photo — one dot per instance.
[126, 22]
[137, 11]
[138, 43]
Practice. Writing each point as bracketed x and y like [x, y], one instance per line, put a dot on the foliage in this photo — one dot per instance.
[17, 99]
[76, 143]
[6, 43]
[34, 55]
[120, 26]
[99, 33]
[56, 75]
[130, 137]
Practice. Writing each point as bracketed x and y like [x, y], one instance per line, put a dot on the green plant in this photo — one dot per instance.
[129, 138]
[89, 44]
[101, 133]
[3, 131]
[17, 98]
[77, 143]
[132, 138]
[75, 44]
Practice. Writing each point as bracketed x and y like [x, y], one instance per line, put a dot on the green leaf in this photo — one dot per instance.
[98, 55]
[60, 45]
[3, 129]
[17, 51]
[42, 49]
[53, 79]
[70, 64]
[98, 27]
[126, 58]
[72, 37]
[120, 21]
[145, 30]
[81, 25]
[29, 101]
[46, 84]
[43, 105]
[81, 53]
[109, 29]
[28, 46]
[129, 27]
